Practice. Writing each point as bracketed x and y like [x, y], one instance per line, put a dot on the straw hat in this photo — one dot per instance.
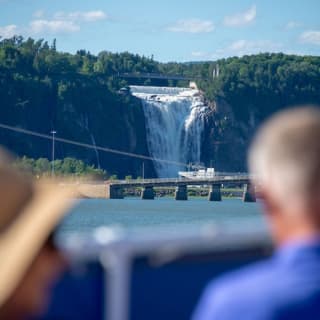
[29, 211]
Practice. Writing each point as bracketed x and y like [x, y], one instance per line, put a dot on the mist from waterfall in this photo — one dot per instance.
[174, 120]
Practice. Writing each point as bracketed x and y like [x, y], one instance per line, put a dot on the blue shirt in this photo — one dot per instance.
[286, 286]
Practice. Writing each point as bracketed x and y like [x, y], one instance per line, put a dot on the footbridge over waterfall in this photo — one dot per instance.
[157, 76]
[115, 189]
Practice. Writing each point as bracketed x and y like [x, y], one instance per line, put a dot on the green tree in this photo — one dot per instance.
[42, 166]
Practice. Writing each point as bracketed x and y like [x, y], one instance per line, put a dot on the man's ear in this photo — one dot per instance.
[270, 205]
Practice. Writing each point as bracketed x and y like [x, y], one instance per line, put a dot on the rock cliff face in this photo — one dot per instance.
[91, 115]
[95, 116]
[225, 139]
[113, 125]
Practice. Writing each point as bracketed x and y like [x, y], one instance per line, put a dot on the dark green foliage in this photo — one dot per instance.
[78, 96]
[67, 167]
[42, 89]
[261, 84]
[245, 92]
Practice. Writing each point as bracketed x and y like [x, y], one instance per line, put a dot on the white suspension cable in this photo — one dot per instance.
[89, 146]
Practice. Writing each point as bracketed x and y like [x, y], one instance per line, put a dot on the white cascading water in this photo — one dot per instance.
[174, 120]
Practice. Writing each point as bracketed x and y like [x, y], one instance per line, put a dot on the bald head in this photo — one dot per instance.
[285, 155]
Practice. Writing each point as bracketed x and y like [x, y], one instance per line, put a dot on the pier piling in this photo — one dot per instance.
[114, 192]
[215, 192]
[249, 193]
[181, 192]
[147, 193]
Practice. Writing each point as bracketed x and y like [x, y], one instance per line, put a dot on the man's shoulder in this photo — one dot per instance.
[248, 280]
[260, 291]
[245, 291]
[279, 273]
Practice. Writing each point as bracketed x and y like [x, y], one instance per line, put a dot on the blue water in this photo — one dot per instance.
[135, 214]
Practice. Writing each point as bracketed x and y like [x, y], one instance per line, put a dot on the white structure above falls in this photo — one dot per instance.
[174, 120]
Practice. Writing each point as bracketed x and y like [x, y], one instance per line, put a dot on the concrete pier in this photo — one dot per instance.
[181, 192]
[147, 193]
[114, 191]
[215, 192]
[249, 193]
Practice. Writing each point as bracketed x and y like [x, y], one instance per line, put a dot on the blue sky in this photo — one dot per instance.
[169, 30]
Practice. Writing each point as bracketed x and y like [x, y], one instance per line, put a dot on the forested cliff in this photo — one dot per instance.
[247, 90]
[43, 90]
[78, 95]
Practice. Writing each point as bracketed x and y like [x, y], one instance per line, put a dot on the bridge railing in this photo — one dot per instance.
[217, 178]
[157, 76]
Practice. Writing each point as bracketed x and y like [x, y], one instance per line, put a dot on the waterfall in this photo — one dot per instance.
[95, 149]
[174, 120]
[84, 122]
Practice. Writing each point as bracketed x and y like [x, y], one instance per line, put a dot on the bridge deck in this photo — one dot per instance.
[156, 76]
[243, 179]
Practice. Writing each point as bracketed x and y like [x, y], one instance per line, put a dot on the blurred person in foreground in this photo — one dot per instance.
[285, 157]
[29, 262]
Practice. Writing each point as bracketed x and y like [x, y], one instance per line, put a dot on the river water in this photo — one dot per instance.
[133, 215]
